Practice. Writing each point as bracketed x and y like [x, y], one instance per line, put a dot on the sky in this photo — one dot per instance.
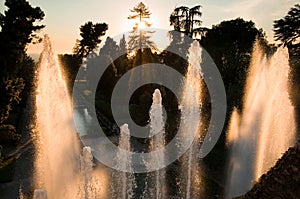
[64, 17]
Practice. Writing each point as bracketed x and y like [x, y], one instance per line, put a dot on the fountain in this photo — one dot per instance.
[157, 133]
[62, 171]
[123, 183]
[266, 128]
[86, 168]
[190, 113]
[57, 150]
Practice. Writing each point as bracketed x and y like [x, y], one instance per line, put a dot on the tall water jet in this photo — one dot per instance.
[266, 127]
[123, 182]
[57, 150]
[190, 113]
[278, 122]
[157, 135]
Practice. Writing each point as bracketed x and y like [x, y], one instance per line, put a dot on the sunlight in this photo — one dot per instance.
[141, 25]
[130, 24]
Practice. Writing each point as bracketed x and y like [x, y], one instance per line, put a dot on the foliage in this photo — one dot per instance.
[141, 12]
[10, 90]
[187, 20]
[230, 45]
[139, 38]
[180, 46]
[123, 45]
[17, 30]
[90, 34]
[110, 48]
[116, 55]
[287, 30]
[71, 64]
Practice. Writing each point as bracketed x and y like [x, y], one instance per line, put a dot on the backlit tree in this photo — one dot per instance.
[187, 20]
[139, 37]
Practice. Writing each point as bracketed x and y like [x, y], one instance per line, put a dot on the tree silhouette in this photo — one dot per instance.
[187, 20]
[123, 45]
[139, 38]
[141, 12]
[17, 30]
[287, 30]
[110, 48]
[230, 45]
[71, 64]
[90, 34]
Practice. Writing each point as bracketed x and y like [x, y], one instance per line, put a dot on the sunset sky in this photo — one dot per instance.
[64, 17]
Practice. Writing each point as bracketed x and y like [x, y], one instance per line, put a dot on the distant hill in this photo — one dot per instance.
[282, 181]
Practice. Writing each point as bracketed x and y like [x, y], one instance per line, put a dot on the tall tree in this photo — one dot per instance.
[140, 38]
[17, 30]
[90, 34]
[287, 30]
[141, 12]
[123, 45]
[187, 20]
[230, 45]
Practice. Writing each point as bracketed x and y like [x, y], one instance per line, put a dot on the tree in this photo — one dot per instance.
[123, 45]
[10, 94]
[187, 20]
[110, 48]
[230, 45]
[139, 38]
[17, 30]
[90, 34]
[141, 12]
[71, 64]
[287, 30]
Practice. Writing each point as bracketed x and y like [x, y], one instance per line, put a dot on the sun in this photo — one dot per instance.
[142, 25]
[136, 25]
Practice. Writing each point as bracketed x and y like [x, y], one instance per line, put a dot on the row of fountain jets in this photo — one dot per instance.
[257, 137]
